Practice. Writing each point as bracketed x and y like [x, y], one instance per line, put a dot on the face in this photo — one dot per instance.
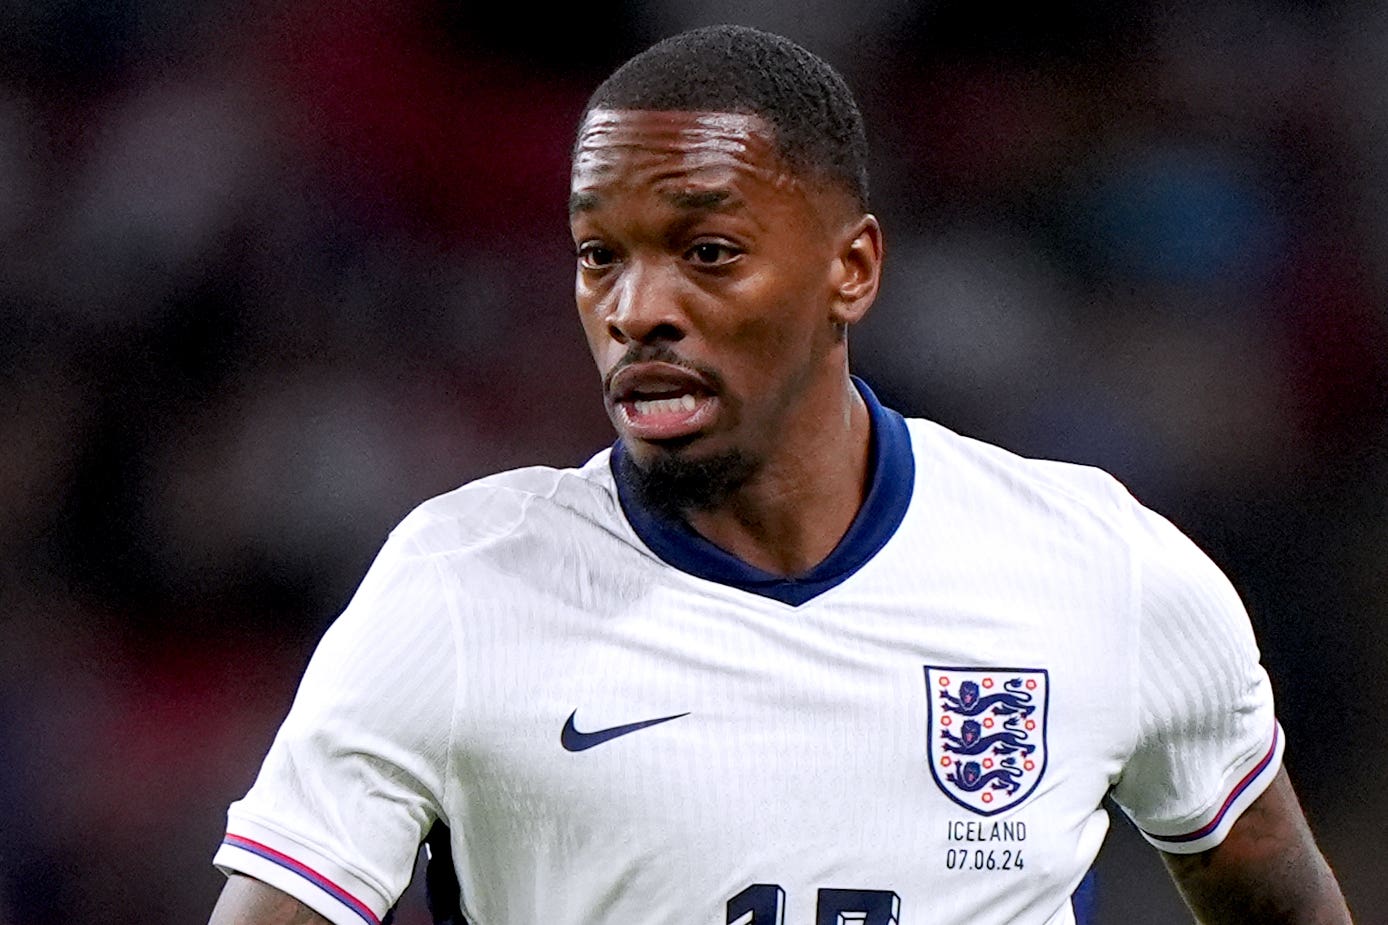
[709, 282]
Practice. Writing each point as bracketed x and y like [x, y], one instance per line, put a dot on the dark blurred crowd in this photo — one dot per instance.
[273, 273]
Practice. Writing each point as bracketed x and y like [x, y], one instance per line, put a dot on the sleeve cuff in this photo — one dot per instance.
[319, 883]
[1245, 784]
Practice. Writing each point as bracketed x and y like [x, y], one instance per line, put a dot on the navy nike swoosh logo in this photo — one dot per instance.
[575, 741]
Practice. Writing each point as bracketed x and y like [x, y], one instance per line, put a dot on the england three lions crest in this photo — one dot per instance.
[986, 734]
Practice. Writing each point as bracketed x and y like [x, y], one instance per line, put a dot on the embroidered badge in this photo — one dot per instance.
[986, 734]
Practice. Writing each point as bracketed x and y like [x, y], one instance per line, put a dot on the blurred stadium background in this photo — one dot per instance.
[272, 273]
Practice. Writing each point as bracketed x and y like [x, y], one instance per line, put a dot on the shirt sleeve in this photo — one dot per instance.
[1208, 741]
[356, 774]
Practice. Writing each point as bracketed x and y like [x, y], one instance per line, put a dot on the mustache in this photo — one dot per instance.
[659, 353]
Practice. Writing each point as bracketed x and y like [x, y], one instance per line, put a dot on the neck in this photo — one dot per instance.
[789, 516]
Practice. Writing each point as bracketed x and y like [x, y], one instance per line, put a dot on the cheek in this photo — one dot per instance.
[783, 320]
[767, 352]
[773, 343]
[591, 329]
[594, 328]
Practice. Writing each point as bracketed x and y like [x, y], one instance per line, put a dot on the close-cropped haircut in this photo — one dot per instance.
[818, 129]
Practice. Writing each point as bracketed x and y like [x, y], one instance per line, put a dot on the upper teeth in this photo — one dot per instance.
[684, 402]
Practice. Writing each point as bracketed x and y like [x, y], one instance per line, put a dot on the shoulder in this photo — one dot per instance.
[989, 477]
[499, 535]
[1028, 497]
[536, 500]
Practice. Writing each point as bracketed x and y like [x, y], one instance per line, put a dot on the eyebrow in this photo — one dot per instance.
[701, 200]
[583, 202]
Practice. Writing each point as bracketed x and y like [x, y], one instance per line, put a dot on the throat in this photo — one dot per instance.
[782, 514]
[786, 535]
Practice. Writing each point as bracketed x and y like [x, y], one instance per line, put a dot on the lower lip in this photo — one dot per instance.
[667, 425]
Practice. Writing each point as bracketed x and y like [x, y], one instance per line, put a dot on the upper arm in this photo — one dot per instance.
[1203, 782]
[1267, 869]
[1207, 741]
[247, 901]
[360, 768]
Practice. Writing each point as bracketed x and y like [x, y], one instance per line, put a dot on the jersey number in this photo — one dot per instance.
[765, 903]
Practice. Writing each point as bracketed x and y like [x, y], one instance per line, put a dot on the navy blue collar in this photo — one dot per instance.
[893, 474]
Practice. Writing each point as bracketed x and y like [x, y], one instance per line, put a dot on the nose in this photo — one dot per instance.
[645, 306]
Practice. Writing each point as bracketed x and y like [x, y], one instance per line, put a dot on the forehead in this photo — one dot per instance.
[635, 150]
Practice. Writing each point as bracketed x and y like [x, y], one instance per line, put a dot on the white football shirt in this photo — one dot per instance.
[622, 723]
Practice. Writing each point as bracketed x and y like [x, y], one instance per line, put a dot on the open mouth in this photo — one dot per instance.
[666, 418]
[661, 402]
[677, 404]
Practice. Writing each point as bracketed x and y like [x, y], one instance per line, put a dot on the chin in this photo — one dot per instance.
[647, 452]
[672, 477]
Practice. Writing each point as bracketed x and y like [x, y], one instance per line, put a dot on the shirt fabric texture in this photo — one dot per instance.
[804, 757]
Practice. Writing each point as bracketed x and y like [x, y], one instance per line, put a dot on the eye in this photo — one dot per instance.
[595, 256]
[712, 253]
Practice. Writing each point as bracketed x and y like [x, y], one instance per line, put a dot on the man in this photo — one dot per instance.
[780, 655]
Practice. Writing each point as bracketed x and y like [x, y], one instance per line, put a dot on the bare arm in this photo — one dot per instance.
[1268, 870]
[247, 901]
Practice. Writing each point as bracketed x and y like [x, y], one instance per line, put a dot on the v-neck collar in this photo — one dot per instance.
[892, 467]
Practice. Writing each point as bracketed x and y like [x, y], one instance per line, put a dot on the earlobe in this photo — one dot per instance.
[857, 271]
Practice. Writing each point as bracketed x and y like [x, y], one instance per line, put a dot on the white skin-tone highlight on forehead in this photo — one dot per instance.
[683, 152]
[704, 143]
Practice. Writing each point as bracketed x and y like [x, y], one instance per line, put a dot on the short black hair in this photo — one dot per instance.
[737, 69]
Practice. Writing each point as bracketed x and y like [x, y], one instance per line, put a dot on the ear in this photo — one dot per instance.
[857, 271]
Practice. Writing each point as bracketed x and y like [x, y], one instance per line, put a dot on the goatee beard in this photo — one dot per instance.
[671, 485]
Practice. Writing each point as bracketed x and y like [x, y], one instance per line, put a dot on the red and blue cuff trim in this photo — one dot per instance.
[308, 873]
[1239, 788]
